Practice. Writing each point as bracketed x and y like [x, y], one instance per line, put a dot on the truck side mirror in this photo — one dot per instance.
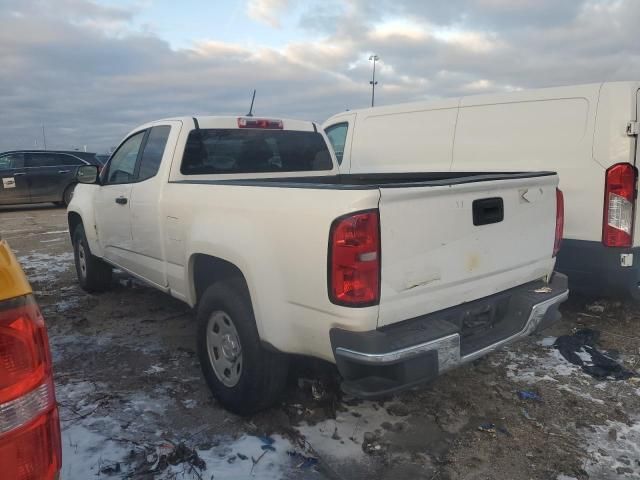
[87, 174]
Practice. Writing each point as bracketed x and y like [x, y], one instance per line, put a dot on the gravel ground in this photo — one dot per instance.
[134, 404]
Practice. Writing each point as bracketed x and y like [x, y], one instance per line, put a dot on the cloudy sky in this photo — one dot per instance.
[90, 70]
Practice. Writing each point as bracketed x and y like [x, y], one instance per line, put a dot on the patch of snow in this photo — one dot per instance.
[578, 392]
[153, 369]
[272, 466]
[41, 267]
[610, 452]
[547, 341]
[90, 446]
[85, 453]
[584, 356]
[60, 239]
[142, 403]
[349, 428]
[66, 304]
[189, 403]
[533, 368]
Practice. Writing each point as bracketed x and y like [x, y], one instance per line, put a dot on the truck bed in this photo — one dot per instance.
[447, 237]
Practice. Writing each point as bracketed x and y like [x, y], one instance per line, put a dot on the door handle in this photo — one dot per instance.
[19, 174]
[121, 200]
[64, 171]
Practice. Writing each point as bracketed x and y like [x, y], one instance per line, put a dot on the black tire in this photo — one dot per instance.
[263, 372]
[68, 195]
[94, 275]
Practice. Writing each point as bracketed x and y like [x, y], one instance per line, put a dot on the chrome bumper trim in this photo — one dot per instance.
[448, 348]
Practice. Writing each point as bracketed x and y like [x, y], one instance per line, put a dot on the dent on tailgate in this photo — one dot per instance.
[13, 282]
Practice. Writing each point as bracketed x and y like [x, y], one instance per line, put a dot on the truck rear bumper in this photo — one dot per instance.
[399, 356]
[595, 269]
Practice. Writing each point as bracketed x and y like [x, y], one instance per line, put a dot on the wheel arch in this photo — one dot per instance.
[206, 269]
[73, 219]
[70, 185]
[79, 215]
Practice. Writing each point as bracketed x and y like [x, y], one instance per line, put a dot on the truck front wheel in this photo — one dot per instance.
[94, 275]
[243, 375]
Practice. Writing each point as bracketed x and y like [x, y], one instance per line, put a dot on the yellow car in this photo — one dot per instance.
[30, 446]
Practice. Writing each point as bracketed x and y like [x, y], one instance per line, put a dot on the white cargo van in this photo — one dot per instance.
[586, 133]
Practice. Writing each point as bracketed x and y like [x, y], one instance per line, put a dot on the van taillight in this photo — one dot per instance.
[29, 426]
[354, 259]
[559, 221]
[619, 205]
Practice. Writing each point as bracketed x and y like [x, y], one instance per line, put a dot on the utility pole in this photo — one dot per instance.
[44, 138]
[373, 82]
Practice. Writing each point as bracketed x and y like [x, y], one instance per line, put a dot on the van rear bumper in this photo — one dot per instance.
[595, 269]
[395, 357]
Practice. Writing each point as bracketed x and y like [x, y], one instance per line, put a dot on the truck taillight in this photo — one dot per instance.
[29, 426]
[264, 123]
[619, 205]
[559, 221]
[354, 259]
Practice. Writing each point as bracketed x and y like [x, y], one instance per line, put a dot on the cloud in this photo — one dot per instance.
[267, 11]
[89, 74]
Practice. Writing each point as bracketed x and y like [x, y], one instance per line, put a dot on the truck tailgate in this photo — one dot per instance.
[445, 245]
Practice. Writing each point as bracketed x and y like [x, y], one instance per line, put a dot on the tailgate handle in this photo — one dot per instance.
[488, 210]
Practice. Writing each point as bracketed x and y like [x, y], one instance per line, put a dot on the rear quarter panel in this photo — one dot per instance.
[278, 238]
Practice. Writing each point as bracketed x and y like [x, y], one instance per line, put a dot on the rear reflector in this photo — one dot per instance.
[619, 205]
[559, 221]
[29, 424]
[264, 123]
[354, 260]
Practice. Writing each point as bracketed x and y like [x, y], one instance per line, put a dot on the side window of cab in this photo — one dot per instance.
[122, 166]
[338, 136]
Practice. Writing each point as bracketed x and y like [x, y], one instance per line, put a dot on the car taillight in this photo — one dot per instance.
[29, 426]
[619, 205]
[559, 221]
[354, 259]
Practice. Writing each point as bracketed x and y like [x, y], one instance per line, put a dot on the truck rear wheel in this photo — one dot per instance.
[243, 376]
[94, 275]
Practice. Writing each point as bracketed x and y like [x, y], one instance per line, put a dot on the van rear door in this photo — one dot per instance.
[449, 244]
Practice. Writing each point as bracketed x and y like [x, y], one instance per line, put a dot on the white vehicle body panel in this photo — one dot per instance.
[446, 260]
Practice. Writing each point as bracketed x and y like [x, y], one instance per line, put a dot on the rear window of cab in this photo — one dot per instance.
[219, 151]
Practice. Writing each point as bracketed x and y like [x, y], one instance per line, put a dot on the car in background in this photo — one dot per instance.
[30, 442]
[37, 176]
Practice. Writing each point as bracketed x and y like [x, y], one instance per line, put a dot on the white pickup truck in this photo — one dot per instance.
[395, 278]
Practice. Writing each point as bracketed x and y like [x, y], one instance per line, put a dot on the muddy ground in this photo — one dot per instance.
[134, 404]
